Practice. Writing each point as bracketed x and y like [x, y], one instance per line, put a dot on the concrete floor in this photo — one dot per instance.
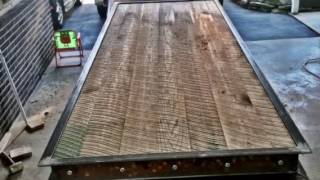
[281, 45]
[50, 96]
[52, 93]
[279, 50]
[86, 21]
[255, 25]
[311, 19]
[298, 90]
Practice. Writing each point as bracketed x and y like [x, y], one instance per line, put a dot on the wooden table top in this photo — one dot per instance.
[170, 77]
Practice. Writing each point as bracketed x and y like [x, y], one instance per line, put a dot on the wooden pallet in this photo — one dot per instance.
[170, 77]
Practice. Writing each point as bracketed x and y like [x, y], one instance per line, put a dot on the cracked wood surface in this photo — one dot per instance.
[170, 77]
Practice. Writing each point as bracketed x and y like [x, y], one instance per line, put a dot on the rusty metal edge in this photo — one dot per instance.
[48, 160]
[182, 168]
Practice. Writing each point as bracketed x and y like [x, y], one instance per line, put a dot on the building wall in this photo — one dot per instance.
[6, 4]
[310, 4]
[25, 40]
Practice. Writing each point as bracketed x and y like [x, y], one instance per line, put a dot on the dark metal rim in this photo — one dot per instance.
[239, 167]
[247, 166]
[48, 160]
[238, 175]
[166, 156]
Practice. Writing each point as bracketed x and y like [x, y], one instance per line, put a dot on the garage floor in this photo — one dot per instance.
[281, 45]
[279, 50]
[298, 91]
[311, 19]
[52, 94]
[257, 26]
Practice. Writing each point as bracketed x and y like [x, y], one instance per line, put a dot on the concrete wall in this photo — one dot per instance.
[25, 40]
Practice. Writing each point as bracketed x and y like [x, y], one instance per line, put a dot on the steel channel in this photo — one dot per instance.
[182, 168]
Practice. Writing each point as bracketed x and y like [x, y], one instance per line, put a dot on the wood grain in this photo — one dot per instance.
[170, 77]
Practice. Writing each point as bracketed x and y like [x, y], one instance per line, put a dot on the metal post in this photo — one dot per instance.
[295, 6]
[13, 87]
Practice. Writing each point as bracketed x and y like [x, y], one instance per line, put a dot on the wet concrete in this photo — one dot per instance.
[282, 63]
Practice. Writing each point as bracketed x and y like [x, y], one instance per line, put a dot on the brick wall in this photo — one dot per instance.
[25, 40]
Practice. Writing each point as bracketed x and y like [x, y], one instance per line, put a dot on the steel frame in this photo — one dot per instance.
[226, 162]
